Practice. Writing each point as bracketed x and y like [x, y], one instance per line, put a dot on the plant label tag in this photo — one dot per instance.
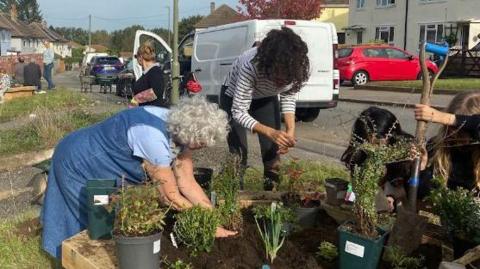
[174, 242]
[100, 200]
[354, 249]
[156, 247]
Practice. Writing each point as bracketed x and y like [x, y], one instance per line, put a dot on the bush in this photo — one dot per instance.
[196, 227]
[399, 260]
[459, 211]
[327, 251]
[139, 211]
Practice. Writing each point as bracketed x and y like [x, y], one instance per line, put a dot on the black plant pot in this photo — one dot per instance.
[138, 252]
[460, 246]
[203, 176]
[336, 189]
[306, 216]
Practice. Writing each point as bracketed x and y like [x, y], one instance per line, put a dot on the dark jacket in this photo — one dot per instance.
[32, 74]
[462, 166]
[153, 79]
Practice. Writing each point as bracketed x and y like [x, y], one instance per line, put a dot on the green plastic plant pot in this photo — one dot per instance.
[356, 251]
[138, 252]
[100, 220]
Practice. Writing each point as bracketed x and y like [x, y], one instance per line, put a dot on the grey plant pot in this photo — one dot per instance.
[306, 217]
[138, 252]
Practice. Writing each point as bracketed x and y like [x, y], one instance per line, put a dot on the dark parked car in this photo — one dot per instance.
[105, 69]
[126, 79]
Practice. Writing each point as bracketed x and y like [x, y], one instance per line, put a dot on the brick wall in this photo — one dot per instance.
[8, 62]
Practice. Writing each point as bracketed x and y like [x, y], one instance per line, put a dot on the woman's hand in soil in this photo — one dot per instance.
[222, 232]
[429, 114]
[416, 152]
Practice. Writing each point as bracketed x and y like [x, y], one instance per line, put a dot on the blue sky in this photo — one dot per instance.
[118, 14]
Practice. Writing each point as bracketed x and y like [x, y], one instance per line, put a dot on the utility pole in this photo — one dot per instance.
[175, 65]
[169, 32]
[89, 32]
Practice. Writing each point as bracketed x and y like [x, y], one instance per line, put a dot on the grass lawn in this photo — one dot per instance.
[45, 131]
[57, 99]
[20, 243]
[313, 178]
[459, 84]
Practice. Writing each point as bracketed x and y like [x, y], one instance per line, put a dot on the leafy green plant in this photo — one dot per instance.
[399, 260]
[459, 211]
[366, 177]
[264, 213]
[327, 251]
[139, 211]
[196, 227]
[227, 185]
[271, 230]
[179, 264]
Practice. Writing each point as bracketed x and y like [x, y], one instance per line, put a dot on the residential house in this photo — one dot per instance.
[336, 12]
[60, 44]
[408, 22]
[5, 38]
[219, 16]
[23, 38]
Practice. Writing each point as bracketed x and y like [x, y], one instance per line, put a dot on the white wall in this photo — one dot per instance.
[441, 11]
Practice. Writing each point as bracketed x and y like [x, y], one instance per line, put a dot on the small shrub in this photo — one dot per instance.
[139, 211]
[227, 185]
[264, 212]
[196, 227]
[459, 211]
[327, 251]
[271, 231]
[179, 264]
[399, 260]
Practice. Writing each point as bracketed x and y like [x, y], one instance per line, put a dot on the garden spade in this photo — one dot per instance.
[409, 227]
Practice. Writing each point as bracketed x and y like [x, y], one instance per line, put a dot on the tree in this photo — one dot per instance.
[29, 11]
[187, 25]
[6, 5]
[101, 37]
[281, 9]
[164, 34]
[122, 40]
[78, 35]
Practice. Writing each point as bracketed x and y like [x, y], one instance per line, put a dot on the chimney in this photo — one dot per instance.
[13, 12]
[212, 7]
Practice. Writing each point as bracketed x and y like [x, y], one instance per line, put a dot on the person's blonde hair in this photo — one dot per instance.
[465, 103]
[147, 51]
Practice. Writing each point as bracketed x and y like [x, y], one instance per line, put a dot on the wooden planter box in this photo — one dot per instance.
[17, 92]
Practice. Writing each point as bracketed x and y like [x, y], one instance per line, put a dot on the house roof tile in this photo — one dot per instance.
[220, 16]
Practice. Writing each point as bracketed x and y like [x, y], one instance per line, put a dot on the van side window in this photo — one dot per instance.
[221, 44]
[186, 49]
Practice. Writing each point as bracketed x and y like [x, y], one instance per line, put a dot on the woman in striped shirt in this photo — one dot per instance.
[278, 66]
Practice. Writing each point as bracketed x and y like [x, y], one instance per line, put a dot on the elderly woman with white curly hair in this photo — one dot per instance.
[147, 139]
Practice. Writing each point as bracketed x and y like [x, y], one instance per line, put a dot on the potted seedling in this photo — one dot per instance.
[327, 252]
[460, 215]
[138, 227]
[361, 242]
[196, 227]
[226, 187]
[270, 222]
[306, 205]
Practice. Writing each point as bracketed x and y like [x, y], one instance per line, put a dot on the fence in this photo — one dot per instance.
[463, 63]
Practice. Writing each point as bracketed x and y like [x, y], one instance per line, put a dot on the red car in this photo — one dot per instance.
[363, 63]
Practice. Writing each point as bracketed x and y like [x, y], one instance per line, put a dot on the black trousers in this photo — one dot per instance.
[267, 112]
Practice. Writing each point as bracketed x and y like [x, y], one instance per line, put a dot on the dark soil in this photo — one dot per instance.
[29, 228]
[246, 250]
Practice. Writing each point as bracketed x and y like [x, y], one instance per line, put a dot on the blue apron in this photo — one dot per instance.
[100, 151]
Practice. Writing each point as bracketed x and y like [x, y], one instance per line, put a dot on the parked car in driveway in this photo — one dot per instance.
[363, 63]
[105, 69]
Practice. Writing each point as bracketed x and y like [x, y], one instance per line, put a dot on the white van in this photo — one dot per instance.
[210, 53]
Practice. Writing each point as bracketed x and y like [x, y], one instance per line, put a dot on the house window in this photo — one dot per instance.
[385, 33]
[360, 3]
[385, 3]
[432, 33]
[359, 37]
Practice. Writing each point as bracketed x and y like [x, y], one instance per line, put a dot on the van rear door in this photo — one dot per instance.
[163, 51]
[215, 49]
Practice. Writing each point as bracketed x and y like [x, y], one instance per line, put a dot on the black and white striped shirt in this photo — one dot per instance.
[246, 83]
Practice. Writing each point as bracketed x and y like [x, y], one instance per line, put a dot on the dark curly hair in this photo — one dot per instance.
[282, 55]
